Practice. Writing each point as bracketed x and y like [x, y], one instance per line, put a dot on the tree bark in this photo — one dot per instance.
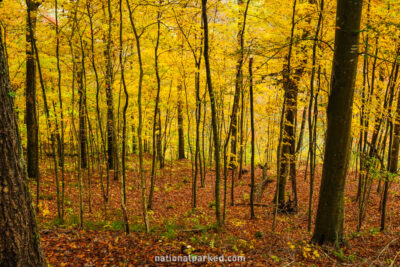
[19, 236]
[30, 93]
[287, 155]
[330, 213]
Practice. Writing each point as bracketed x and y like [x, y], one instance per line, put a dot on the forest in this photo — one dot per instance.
[199, 132]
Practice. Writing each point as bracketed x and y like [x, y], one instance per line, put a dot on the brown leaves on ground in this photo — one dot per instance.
[176, 230]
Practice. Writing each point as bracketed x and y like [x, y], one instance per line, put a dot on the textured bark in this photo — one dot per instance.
[30, 93]
[287, 162]
[19, 237]
[330, 214]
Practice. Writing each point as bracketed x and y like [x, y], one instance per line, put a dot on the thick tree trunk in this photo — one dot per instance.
[287, 162]
[19, 237]
[30, 93]
[330, 214]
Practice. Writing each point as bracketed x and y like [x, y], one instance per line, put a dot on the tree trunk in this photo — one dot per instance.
[181, 138]
[139, 130]
[214, 119]
[111, 136]
[30, 93]
[287, 155]
[82, 112]
[156, 130]
[123, 180]
[330, 213]
[19, 236]
[392, 159]
[252, 215]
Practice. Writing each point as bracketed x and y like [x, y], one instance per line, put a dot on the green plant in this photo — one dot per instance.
[117, 225]
[170, 206]
[73, 220]
[374, 231]
[259, 234]
[211, 204]
[57, 222]
[341, 255]
[137, 228]
[231, 239]
[46, 197]
[170, 230]
[275, 258]
[94, 225]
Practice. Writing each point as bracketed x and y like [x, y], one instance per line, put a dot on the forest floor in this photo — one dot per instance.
[102, 241]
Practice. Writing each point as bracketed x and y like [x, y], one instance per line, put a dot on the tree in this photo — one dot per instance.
[252, 138]
[156, 128]
[30, 92]
[393, 157]
[19, 237]
[214, 119]
[330, 213]
[139, 130]
[181, 137]
[111, 135]
[82, 106]
[123, 179]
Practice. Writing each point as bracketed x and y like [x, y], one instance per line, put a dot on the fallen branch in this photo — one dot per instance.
[380, 253]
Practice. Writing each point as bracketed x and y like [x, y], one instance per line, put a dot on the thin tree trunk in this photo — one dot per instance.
[214, 119]
[111, 135]
[312, 126]
[140, 138]
[123, 160]
[181, 137]
[156, 111]
[252, 215]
